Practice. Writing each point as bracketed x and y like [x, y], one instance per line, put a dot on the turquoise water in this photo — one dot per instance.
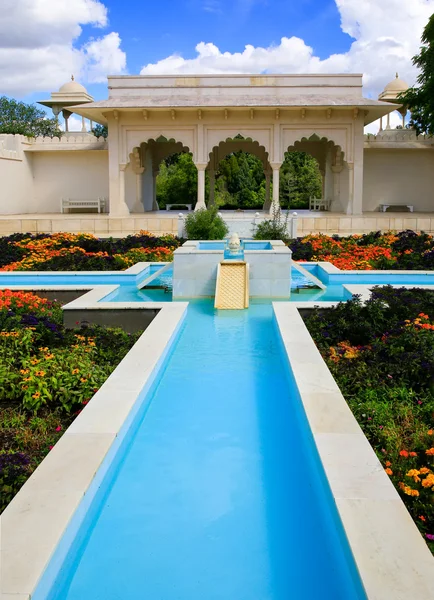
[130, 293]
[248, 245]
[219, 494]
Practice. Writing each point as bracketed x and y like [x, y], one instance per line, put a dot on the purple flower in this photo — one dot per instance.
[429, 536]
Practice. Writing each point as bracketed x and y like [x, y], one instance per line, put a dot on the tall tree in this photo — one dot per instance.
[26, 119]
[300, 178]
[420, 99]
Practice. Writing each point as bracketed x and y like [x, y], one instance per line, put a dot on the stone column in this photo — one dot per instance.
[154, 190]
[138, 204]
[388, 121]
[118, 207]
[83, 125]
[267, 203]
[122, 207]
[275, 204]
[211, 187]
[200, 186]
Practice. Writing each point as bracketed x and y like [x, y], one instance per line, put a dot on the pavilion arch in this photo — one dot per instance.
[142, 169]
[330, 155]
[235, 144]
[136, 137]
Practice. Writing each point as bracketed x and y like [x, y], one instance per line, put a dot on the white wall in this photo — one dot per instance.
[16, 178]
[78, 175]
[393, 176]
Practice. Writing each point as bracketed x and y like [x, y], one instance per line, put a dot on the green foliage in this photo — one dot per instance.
[26, 119]
[47, 375]
[205, 224]
[239, 181]
[420, 99]
[177, 181]
[382, 357]
[275, 228]
[100, 130]
[299, 179]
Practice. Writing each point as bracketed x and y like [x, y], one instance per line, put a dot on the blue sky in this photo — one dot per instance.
[96, 38]
[158, 29]
[150, 31]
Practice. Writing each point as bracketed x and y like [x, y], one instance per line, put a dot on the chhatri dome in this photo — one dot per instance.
[69, 94]
[393, 89]
[72, 87]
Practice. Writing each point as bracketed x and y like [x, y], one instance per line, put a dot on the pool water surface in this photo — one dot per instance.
[219, 494]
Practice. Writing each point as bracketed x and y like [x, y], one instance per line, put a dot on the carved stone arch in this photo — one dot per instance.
[260, 138]
[291, 138]
[137, 137]
[235, 144]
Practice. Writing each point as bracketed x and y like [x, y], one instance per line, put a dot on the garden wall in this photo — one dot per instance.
[78, 175]
[16, 177]
[393, 176]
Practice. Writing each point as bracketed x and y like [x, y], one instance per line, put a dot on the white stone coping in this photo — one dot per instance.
[62, 487]
[393, 560]
[308, 275]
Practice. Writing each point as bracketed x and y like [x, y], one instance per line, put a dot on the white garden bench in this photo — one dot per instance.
[98, 203]
[169, 206]
[384, 207]
[319, 203]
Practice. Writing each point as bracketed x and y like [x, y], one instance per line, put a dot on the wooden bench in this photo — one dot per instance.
[169, 206]
[384, 207]
[318, 204]
[67, 203]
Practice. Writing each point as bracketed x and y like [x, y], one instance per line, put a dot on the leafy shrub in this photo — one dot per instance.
[205, 224]
[14, 470]
[275, 228]
[382, 356]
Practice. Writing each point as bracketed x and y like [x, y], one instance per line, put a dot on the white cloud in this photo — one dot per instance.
[37, 49]
[74, 124]
[387, 35]
[395, 120]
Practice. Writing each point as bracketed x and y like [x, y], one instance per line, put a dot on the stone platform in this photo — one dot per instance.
[167, 222]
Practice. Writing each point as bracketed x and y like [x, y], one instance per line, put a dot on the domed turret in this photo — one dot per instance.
[393, 89]
[72, 87]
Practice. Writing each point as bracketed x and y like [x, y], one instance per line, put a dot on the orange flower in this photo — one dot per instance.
[430, 452]
[413, 453]
[389, 471]
[430, 431]
[388, 463]
[403, 453]
[422, 518]
[424, 471]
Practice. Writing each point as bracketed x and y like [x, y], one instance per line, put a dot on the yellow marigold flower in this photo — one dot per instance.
[83, 380]
[413, 473]
[40, 373]
[75, 371]
[34, 361]
[428, 481]
[49, 356]
[36, 395]
[24, 371]
[424, 470]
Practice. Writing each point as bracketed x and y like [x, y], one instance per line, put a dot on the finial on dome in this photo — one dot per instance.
[397, 76]
[72, 77]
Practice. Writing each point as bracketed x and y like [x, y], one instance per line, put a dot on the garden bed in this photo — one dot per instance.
[405, 250]
[48, 373]
[382, 357]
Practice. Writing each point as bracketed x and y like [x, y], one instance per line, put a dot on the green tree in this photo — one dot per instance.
[420, 99]
[177, 181]
[26, 119]
[299, 179]
[100, 130]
